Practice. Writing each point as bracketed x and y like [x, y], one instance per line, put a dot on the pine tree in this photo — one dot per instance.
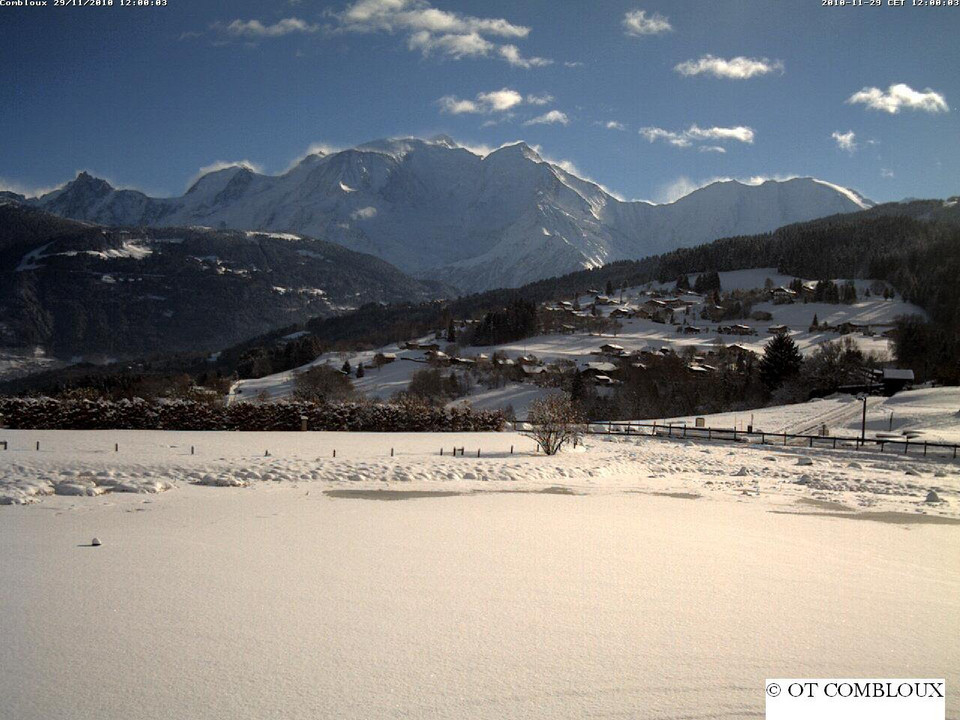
[345, 368]
[609, 289]
[360, 371]
[781, 360]
[815, 324]
[451, 331]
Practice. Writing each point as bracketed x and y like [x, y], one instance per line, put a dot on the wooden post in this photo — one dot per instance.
[811, 441]
[334, 452]
[478, 452]
[391, 452]
[441, 452]
[924, 448]
[734, 433]
[906, 446]
[784, 438]
[38, 446]
[191, 449]
[511, 449]
[116, 447]
[834, 443]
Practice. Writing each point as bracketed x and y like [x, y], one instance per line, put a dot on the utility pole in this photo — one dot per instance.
[863, 421]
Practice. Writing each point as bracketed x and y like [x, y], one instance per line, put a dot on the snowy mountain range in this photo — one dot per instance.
[436, 209]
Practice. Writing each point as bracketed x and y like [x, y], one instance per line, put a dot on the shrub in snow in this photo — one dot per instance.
[554, 421]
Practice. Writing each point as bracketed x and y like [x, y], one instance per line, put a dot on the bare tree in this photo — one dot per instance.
[554, 422]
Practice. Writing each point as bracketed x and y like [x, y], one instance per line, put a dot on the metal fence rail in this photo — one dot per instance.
[631, 428]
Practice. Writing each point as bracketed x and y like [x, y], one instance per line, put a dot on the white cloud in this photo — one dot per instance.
[256, 29]
[739, 133]
[696, 135]
[654, 133]
[434, 31]
[738, 68]
[496, 101]
[453, 105]
[511, 53]
[398, 15]
[886, 173]
[543, 99]
[500, 100]
[614, 125]
[898, 97]
[454, 46]
[573, 64]
[845, 141]
[637, 24]
[553, 117]
[364, 213]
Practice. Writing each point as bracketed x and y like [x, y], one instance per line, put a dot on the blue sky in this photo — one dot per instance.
[650, 99]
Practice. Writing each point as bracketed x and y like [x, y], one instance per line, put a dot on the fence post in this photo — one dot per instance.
[441, 452]
[924, 448]
[511, 449]
[709, 434]
[763, 438]
[811, 441]
[334, 452]
[191, 449]
[116, 447]
[784, 438]
[906, 446]
[834, 443]
[684, 430]
[38, 446]
[734, 434]
[478, 452]
[391, 452]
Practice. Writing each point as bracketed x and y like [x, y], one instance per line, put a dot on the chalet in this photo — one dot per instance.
[605, 380]
[504, 362]
[712, 312]
[691, 330]
[621, 313]
[895, 379]
[462, 361]
[809, 289]
[845, 328]
[436, 356]
[604, 300]
[736, 330]
[382, 358]
[611, 349]
[593, 369]
[568, 329]
[697, 369]
[532, 370]
[778, 329]
[528, 360]
[782, 295]
[429, 347]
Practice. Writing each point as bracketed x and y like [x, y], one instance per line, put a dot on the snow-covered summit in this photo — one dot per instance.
[435, 208]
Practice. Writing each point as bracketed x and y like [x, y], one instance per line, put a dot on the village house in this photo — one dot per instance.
[612, 350]
[778, 329]
[782, 295]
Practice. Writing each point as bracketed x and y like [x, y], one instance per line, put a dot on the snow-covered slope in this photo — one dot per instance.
[434, 208]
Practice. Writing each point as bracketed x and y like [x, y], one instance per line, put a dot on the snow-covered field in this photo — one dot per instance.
[637, 577]
[635, 334]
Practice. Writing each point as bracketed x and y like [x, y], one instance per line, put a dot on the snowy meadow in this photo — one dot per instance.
[634, 576]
